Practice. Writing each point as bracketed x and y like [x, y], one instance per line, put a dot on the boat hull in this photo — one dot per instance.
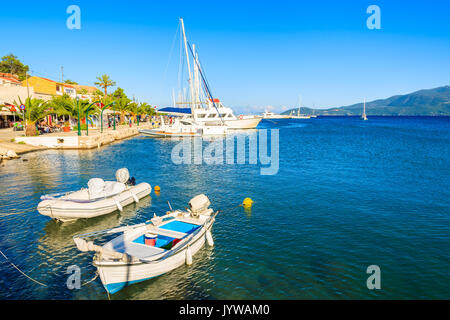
[204, 131]
[250, 123]
[115, 276]
[69, 211]
[160, 133]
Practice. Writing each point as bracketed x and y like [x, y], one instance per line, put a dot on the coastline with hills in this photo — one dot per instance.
[426, 102]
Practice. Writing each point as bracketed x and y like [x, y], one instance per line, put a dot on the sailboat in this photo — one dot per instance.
[298, 115]
[190, 126]
[363, 116]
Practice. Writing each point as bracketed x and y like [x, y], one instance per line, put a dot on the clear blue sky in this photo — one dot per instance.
[255, 53]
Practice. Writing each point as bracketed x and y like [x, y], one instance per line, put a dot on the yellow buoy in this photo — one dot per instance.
[157, 189]
[247, 202]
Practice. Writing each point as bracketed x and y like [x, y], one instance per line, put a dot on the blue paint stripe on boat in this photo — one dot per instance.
[180, 226]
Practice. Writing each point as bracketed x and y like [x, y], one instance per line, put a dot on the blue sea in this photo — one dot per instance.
[348, 194]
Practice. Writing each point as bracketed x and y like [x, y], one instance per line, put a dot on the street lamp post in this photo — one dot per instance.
[114, 110]
[79, 124]
[87, 113]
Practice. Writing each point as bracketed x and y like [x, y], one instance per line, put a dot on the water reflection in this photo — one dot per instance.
[181, 283]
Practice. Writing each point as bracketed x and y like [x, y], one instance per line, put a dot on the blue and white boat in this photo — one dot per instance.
[150, 249]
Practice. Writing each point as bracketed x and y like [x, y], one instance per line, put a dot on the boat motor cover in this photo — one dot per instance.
[199, 203]
[122, 175]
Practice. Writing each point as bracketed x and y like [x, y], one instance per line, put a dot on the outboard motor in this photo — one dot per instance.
[200, 205]
[122, 175]
[131, 182]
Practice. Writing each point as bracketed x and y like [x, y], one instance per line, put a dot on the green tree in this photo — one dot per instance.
[11, 64]
[122, 102]
[63, 106]
[146, 109]
[104, 82]
[70, 82]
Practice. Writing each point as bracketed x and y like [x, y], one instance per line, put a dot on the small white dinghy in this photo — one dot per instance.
[150, 249]
[100, 198]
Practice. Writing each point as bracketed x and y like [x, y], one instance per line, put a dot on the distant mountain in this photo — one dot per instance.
[428, 102]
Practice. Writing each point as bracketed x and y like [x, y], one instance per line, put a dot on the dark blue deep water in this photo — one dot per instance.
[348, 194]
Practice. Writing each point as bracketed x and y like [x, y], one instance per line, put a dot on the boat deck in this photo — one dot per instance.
[168, 235]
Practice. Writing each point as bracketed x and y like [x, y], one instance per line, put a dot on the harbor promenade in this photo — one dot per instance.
[20, 144]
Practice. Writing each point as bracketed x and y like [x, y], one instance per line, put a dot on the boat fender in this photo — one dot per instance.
[118, 205]
[209, 238]
[188, 256]
[134, 197]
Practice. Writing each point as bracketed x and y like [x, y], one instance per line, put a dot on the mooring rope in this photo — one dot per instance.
[40, 283]
[95, 277]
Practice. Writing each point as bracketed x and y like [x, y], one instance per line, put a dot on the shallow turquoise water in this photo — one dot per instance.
[348, 194]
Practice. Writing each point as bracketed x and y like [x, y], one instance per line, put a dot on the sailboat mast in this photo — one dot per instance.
[196, 80]
[191, 88]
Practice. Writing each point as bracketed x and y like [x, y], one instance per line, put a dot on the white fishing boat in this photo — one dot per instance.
[363, 116]
[148, 250]
[100, 198]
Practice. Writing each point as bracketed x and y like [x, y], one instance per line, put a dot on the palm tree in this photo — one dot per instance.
[62, 105]
[122, 105]
[104, 82]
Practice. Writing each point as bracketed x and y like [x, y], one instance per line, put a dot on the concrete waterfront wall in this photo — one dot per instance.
[95, 140]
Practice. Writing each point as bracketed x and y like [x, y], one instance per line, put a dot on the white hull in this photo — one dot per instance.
[251, 123]
[168, 131]
[63, 210]
[276, 117]
[299, 117]
[162, 133]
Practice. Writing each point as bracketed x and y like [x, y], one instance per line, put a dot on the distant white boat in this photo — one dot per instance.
[215, 115]
[148, 250]
[298, 115]
[363, 116]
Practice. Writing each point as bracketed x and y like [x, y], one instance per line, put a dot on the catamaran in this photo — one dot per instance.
[148, 250]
